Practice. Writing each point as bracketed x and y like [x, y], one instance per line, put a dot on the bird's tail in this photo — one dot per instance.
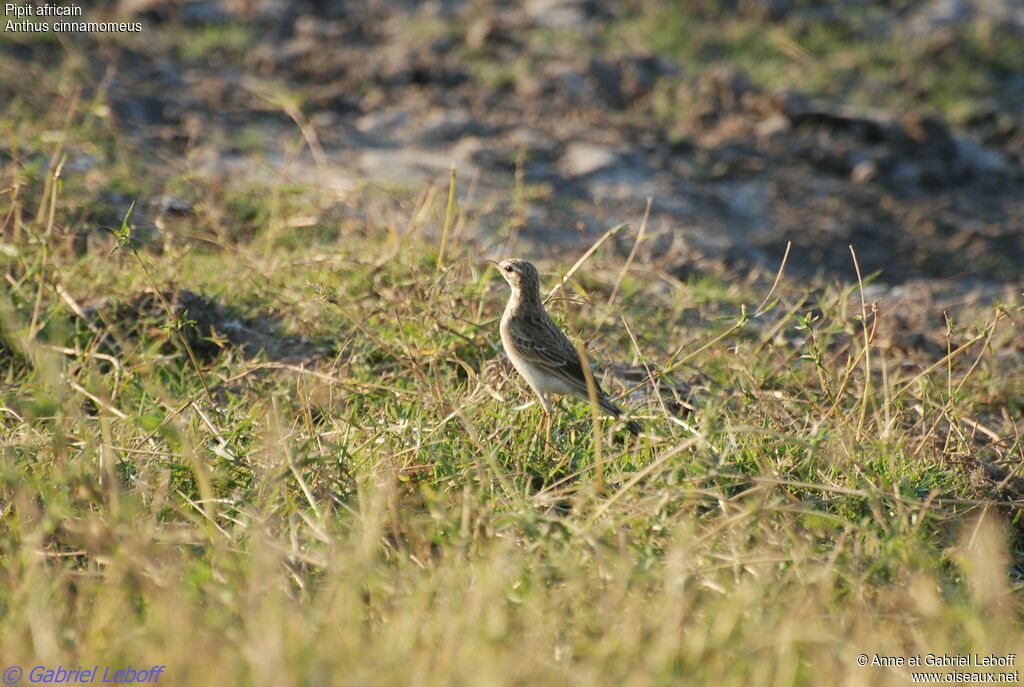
[632, 425]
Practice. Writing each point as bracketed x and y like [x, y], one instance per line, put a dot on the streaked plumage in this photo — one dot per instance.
[538, 349]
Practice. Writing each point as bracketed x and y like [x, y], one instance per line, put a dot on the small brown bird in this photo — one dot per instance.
[537, 347]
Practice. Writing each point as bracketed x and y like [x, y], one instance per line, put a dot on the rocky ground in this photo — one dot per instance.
[543, 98]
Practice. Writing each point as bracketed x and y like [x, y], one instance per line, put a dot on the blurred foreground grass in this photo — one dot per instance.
[384, 512]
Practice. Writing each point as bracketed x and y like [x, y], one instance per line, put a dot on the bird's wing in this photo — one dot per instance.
[542, 343]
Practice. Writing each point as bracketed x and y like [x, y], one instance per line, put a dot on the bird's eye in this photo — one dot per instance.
[508, 268]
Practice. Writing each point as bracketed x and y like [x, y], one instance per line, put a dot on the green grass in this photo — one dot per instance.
[388, 513]
[230, 38]
[858, 55]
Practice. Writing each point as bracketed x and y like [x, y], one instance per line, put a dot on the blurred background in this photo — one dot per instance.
[897, 127]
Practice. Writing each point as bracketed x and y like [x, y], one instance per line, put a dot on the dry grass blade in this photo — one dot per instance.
[449, 215]
[595, 417]
[778, 278]
[867, 345]
[583, 258]
[632, 253]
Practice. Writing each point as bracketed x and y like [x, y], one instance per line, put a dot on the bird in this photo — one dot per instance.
[538, 349]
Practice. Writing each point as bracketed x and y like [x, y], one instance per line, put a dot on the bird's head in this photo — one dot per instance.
[521, 276]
